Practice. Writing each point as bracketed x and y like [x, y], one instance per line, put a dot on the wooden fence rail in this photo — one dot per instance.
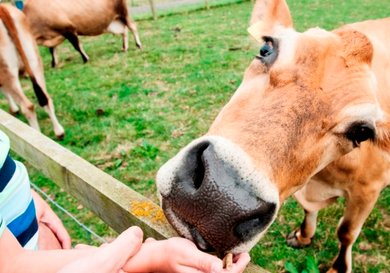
[115, 203]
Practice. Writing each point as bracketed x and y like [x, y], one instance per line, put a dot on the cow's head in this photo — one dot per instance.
[306, 100]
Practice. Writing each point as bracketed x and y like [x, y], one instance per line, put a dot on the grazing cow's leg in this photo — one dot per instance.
[54, 56]
[57, 127]
[125, 36]
[10, 85]
[13, 107]
[358, 208]
[133, 28]
[12, 88]
[43, 97]
[120, 27]
[74, 40]
[46, 102]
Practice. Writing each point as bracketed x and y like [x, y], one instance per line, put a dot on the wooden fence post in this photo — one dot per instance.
[206, 2]
[153, 9]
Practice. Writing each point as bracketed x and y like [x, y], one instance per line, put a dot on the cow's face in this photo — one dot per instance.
[305, 100]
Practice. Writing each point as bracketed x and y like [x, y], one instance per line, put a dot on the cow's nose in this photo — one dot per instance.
[215, 201]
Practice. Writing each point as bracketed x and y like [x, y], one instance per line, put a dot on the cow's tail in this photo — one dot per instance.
[10, 25]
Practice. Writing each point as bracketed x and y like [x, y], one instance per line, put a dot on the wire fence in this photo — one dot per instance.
[68, 214]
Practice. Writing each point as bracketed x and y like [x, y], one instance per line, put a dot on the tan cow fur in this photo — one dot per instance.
[18, 51]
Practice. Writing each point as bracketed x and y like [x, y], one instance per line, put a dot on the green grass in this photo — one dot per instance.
[129, 113]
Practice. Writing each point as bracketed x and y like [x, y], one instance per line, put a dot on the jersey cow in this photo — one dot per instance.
[310, 118]
[18, 51]
[53, 21]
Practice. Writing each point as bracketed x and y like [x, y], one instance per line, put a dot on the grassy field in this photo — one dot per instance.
[129, 113]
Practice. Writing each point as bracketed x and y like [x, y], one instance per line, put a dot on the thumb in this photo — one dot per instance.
[125, 246]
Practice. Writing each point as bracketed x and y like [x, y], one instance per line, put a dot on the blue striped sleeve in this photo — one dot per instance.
[24, 221]
[2, 226]
[6, 172]
[4, 148]
[17, 208]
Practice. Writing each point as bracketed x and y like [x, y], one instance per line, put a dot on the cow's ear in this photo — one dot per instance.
[356, 47]
[268, 16]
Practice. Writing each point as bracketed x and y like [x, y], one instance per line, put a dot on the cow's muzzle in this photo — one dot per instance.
[212, 199]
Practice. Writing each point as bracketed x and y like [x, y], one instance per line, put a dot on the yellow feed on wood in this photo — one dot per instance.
[147, 209]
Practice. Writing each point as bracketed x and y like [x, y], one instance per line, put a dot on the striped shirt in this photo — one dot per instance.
[17, 210]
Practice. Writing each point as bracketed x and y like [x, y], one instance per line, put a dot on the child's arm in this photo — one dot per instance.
[107, 259]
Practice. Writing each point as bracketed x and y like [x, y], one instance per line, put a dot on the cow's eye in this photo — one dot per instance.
[266, 50]
[359, 132]
[269, 51]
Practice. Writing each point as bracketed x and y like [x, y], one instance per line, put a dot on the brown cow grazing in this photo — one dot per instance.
[53, 21]
[18, 51]
[310, 118]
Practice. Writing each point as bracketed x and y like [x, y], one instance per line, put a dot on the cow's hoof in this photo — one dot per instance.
[295, 240]
[60, 136]
[85, 58]
[15, 113]
[139, 46]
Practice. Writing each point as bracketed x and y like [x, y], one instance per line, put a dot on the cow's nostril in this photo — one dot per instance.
[195, 168]
[247, 228]
[252, 225]
[199, 170]
[200, 241]
[192, 174]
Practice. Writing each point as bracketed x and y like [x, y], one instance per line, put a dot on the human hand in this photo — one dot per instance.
[179, 255]
[111, 257]
[48, 217]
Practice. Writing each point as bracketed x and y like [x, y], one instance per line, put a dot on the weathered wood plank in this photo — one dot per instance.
[115, 203]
